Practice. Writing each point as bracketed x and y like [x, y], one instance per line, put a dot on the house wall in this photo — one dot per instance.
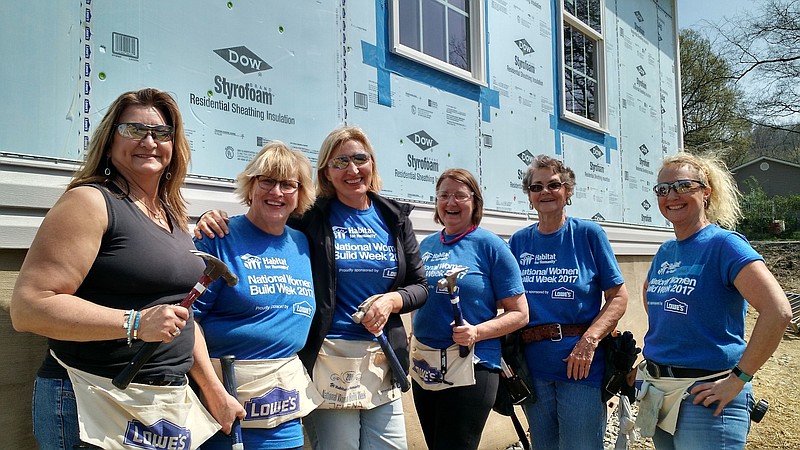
[774, 177]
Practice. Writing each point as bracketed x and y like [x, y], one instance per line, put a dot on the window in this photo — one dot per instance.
[447, 35]
[583, 67]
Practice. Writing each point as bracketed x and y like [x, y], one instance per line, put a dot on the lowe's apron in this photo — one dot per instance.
[436, 369]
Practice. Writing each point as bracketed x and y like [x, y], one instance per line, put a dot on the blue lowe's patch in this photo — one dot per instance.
[276, 402]
[162, 434]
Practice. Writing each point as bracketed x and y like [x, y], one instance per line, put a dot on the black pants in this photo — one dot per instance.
[454, 418]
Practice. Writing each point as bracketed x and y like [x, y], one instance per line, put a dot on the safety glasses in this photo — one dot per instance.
[160, 133]
[679, 186]
[286, 186]
[551, 186]
[342, 162]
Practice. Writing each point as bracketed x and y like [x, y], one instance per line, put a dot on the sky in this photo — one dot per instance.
[692, 13]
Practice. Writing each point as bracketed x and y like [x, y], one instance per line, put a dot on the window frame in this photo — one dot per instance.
[601, 93]
[477, 32]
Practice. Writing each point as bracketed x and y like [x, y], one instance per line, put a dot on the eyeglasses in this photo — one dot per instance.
[286, 186]
[160, 133]
[343, 162]
[459, 196]
[551, 186]
[679, 186]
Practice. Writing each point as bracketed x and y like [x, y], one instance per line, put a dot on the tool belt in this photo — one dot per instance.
[657, 370]
[552, 331]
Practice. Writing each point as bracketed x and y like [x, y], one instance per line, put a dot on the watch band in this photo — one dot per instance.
[741, 374]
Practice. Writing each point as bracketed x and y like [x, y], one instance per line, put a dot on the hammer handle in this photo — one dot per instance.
[126, 375]
[398, 374]
[229, 381]
[458, 319]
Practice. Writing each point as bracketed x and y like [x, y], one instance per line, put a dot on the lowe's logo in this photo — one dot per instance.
[423, 140]
[646, 205]
[641, 70]
[674, 305]
[162, 434]
[643, 148]
[243, 59]
[596, 151]
[524, 46]
[277, 402]
[526, 157]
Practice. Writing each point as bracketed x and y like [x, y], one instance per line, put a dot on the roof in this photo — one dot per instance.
[765, 158]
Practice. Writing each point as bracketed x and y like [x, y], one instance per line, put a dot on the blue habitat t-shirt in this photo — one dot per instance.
[696, 315]
[366, 264]
[492, 275]
[266, 315]
[565, 274]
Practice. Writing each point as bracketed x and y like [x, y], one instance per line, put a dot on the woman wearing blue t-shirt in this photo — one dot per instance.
[454, 392]
[695, 293]
[264, 320]
[568, 269]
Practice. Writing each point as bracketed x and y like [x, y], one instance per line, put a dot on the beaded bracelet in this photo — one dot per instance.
[129, 326]
[136, 325]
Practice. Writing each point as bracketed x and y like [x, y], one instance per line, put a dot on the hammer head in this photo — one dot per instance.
[449, 280]
[215, 268]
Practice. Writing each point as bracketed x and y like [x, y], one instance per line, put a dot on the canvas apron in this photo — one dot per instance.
[660, 399]
[272, 391]
[141, 416]
[353, 375]
[435, 369]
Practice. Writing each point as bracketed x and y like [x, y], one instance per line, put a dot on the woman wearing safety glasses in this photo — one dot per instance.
[103, 276]
[363, 247]
[696, 390]
[576, 295]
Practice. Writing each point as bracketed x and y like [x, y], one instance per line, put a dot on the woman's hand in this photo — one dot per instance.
[213, 224]
[375, 319]
[720, 392]
[162, 323]
[580, 359]
[465, 335]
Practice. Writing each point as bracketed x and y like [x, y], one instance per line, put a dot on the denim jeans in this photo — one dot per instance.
[382, 427]
[566, 416]
[55, 415]
[697, 427]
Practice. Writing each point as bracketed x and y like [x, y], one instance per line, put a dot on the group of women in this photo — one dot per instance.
[325, 273]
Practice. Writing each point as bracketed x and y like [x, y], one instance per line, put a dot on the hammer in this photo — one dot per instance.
[449, 282]
[398, 373]
[214, 269]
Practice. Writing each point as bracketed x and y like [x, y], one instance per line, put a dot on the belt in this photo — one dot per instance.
[166, 380]
[552, 331]
[661, 370]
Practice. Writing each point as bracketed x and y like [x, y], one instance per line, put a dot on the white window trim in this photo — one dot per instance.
[602, 80]
[477, 52]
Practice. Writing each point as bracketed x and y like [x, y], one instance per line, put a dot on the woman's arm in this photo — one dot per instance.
[213, 223]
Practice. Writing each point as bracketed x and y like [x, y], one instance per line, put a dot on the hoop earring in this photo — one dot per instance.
[107, 171]
[569, 201]
[530, 205]
[168, 175]
[705, 203]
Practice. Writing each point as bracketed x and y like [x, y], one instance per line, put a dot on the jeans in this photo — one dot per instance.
[566, 416]
[697, 427]
[382, 427]
[55, 415]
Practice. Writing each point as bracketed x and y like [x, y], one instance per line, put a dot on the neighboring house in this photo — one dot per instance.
[775, 177]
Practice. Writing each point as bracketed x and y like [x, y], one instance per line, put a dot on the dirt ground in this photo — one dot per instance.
[778, 381]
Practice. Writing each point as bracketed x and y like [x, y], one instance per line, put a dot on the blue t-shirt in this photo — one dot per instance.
[493, 275]
[266, 315]
[565, 274]
[366, 264]
[695, 313]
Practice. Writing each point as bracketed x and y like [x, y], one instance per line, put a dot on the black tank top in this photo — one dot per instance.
[139, 265]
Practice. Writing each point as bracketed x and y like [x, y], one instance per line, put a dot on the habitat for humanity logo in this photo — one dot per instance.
[243, 59]
[423, 140]
[162, 434]
[524, 46]
[526, 157]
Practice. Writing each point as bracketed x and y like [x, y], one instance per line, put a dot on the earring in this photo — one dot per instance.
[168, 175]
[530, 205]
[705, 203]
[107, 171]
[569, 201]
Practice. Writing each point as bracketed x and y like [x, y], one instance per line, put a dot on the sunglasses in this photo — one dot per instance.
[286, 186]
[679, 186]
[459, 196]
[343, 162]
[160, 133]
[551, 186]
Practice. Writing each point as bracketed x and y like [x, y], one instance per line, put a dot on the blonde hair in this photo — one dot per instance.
[98, 156]
[463, 176]
[276, 160]
[722, 206]
[332, 142]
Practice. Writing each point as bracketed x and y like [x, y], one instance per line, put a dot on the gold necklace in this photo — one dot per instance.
[156, 215]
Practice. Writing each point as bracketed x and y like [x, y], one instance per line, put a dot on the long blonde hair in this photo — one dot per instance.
[98, 157]
[722, 206]
[336, 138]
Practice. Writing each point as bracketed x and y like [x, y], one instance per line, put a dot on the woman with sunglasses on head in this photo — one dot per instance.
[576, 295]
[264, 320]
[362, 247]
[696, 296]
[456, 366]
[103, 276]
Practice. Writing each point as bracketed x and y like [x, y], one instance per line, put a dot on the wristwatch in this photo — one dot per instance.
[741, 375]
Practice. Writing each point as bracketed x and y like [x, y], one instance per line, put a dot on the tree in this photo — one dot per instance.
[714, 113]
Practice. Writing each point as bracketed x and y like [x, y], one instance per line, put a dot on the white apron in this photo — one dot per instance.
[434, 371]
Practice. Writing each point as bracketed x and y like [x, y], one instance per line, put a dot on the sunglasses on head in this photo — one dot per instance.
[160, 133]
[551, 186]
[679, 186]
[342, 162]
